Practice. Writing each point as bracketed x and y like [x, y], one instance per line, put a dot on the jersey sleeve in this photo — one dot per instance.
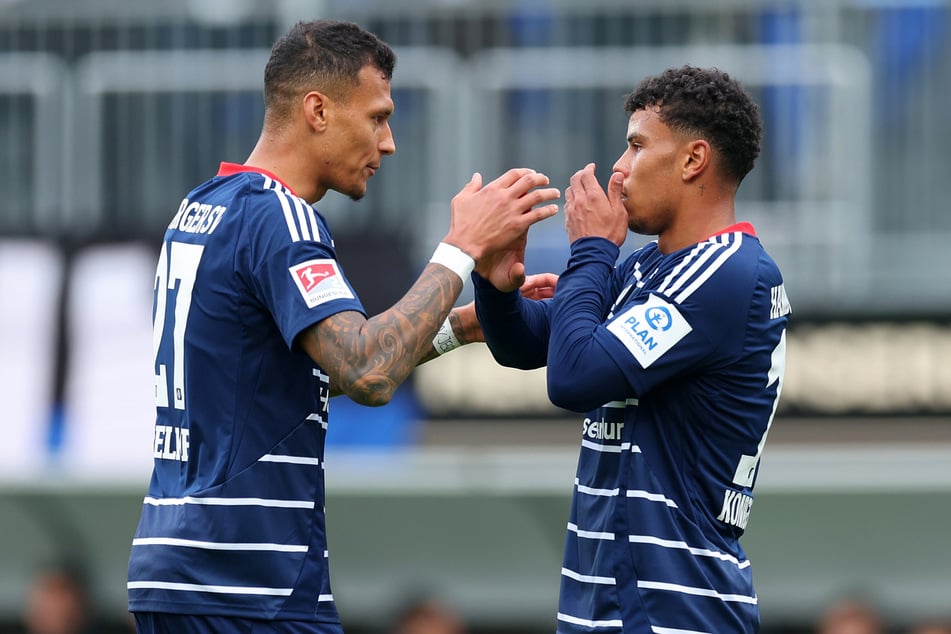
[297, 277]
[580, 375]
[516, 329]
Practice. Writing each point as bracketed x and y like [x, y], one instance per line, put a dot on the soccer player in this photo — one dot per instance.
[256, 327]
[676, 354]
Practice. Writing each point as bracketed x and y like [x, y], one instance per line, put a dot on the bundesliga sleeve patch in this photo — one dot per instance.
[320, 281]
[649, 330]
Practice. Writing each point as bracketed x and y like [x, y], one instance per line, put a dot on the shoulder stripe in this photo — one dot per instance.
[307, 210]
[714, 266]
[664, 288]
[195, 587]
[301, 218]
[656, 629]
[234, 546]
[288, 215]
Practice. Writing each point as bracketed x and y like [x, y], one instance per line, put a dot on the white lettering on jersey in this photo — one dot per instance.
[601, 429]
[779, 302]
[171, 443]
[736, 509]
[649, 330]
[320, 281]
[196, 217]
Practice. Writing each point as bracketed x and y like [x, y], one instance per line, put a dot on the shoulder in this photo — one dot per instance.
[275, 211]
[727, 265]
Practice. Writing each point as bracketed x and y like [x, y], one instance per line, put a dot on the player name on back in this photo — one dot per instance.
[197, 217]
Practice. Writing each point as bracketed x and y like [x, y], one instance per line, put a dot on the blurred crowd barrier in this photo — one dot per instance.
[110, 111]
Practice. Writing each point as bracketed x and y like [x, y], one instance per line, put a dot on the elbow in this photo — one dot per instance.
[571, 394]
[371, 391]
[510, 357]
[517, 362]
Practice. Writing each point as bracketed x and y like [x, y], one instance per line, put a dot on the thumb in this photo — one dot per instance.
[517, 274]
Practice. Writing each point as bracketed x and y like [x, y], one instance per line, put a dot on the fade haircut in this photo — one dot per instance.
[324, 55]
[709, 104]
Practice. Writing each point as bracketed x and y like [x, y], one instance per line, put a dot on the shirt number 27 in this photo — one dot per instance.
[174, 280]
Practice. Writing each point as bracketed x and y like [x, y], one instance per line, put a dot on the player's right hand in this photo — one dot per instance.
[490, 218]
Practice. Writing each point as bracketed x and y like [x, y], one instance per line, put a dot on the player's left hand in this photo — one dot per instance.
[539, 286]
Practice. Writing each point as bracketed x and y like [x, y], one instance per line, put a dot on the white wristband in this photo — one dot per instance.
[445, 339]
[454, 259]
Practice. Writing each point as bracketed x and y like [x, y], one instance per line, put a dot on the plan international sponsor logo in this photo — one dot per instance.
[650, 329]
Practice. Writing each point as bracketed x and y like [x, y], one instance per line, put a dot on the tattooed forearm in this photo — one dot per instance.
[368, 359]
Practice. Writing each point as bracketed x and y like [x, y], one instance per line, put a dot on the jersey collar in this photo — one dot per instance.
[230, 169]
[743, 227]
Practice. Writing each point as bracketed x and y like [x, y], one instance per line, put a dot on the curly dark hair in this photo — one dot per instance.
[707, 103]
[324, 55]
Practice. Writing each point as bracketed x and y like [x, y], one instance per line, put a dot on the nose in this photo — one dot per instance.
[387, 142]
[622, 164]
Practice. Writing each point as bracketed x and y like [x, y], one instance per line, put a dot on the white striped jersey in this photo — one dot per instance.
[678, 360]
[233, 523]
[665, 477]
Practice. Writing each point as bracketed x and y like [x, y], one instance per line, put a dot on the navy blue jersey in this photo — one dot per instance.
[678, 359]
[233, 523]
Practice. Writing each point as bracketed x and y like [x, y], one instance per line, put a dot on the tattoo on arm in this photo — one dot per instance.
[367, 359]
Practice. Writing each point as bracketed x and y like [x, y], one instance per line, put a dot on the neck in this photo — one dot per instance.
[697, 222]
[283, 158]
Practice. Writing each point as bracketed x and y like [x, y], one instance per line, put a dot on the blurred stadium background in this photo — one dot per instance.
[110, 110]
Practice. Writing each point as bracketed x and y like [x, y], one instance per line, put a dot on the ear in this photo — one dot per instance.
[315, 106]
[697, 158]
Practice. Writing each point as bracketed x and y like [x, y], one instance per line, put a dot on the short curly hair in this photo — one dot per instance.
[707, 103]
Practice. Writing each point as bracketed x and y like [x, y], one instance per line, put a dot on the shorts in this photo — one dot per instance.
[165, 623]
